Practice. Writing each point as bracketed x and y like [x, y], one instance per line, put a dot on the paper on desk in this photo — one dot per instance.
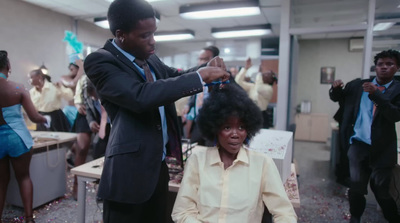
[48, 123]
[272, 143]
[46, 137]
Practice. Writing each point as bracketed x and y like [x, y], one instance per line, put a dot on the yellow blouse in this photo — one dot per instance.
[80, 87]
[210, 193]
[50, 99]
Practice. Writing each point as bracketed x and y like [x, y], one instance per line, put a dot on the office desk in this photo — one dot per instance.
[91, 171]
[47, 168]
[278, 145]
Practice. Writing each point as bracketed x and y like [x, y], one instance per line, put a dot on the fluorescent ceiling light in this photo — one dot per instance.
[103, 22]
[146, 0]
[219, 10]
[173, 35]
[383, 26]
[243, 31]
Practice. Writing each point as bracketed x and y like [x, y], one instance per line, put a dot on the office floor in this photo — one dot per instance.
[322, 199]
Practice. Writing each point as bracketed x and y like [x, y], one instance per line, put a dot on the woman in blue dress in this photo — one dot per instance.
[15, 139]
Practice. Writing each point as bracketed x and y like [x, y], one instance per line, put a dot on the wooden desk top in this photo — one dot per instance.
[94, 168]
[90, 169]
[44, 139]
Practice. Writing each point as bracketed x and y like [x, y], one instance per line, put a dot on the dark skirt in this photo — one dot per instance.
[81, 124]
[59, 122]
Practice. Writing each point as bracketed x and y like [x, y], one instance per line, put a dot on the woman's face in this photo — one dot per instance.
[231, 135]
[73, 71]
[34, 79]
[268, 77]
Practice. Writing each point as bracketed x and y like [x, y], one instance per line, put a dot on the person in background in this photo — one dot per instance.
[234, 71]
[191, 110]
[260, 91]
[207, 53]
[70, 81]
[95, 113]
[47, 98]
[182, 108]
[15, 140]
[227, 182]
[371, 107]
[138, 92]
[81, 127]
[71, 111]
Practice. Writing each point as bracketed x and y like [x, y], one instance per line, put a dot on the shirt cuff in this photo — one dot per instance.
[201, 79]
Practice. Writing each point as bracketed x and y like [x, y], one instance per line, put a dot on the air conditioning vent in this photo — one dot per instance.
[356, 45]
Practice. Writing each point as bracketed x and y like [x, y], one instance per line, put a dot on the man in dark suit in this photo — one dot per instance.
[370, 109]
[139, 99]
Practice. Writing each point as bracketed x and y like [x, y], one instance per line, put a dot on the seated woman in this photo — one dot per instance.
[229, 183]
[15, 140]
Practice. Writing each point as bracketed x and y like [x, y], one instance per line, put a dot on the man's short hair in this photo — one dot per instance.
[214, 50]
[393, 54]
[125, 14]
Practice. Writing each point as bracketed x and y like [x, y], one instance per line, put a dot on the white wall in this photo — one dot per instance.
[314, 54]
[33, 35]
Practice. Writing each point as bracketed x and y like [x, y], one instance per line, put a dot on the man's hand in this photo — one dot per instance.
[94, 126]
[337, 84]
[81, 109]
[209, 74]
[369, 87]
[248, 63]
[79, 62]
[217, 62]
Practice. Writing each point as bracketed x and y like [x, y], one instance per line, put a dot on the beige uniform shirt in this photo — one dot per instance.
[50, 99]
[210, 193]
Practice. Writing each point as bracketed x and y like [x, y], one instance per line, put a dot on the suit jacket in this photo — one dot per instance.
[134, 151]
[383, 132]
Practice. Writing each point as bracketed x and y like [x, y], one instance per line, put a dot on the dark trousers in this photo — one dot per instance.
[268, 118]
[360, 173]
[151, 211]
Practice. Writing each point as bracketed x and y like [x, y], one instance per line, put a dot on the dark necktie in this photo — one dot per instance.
[381, 88]
[143, 64]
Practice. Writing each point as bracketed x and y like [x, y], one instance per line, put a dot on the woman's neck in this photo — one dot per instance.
[39, 86]
[226, 158]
